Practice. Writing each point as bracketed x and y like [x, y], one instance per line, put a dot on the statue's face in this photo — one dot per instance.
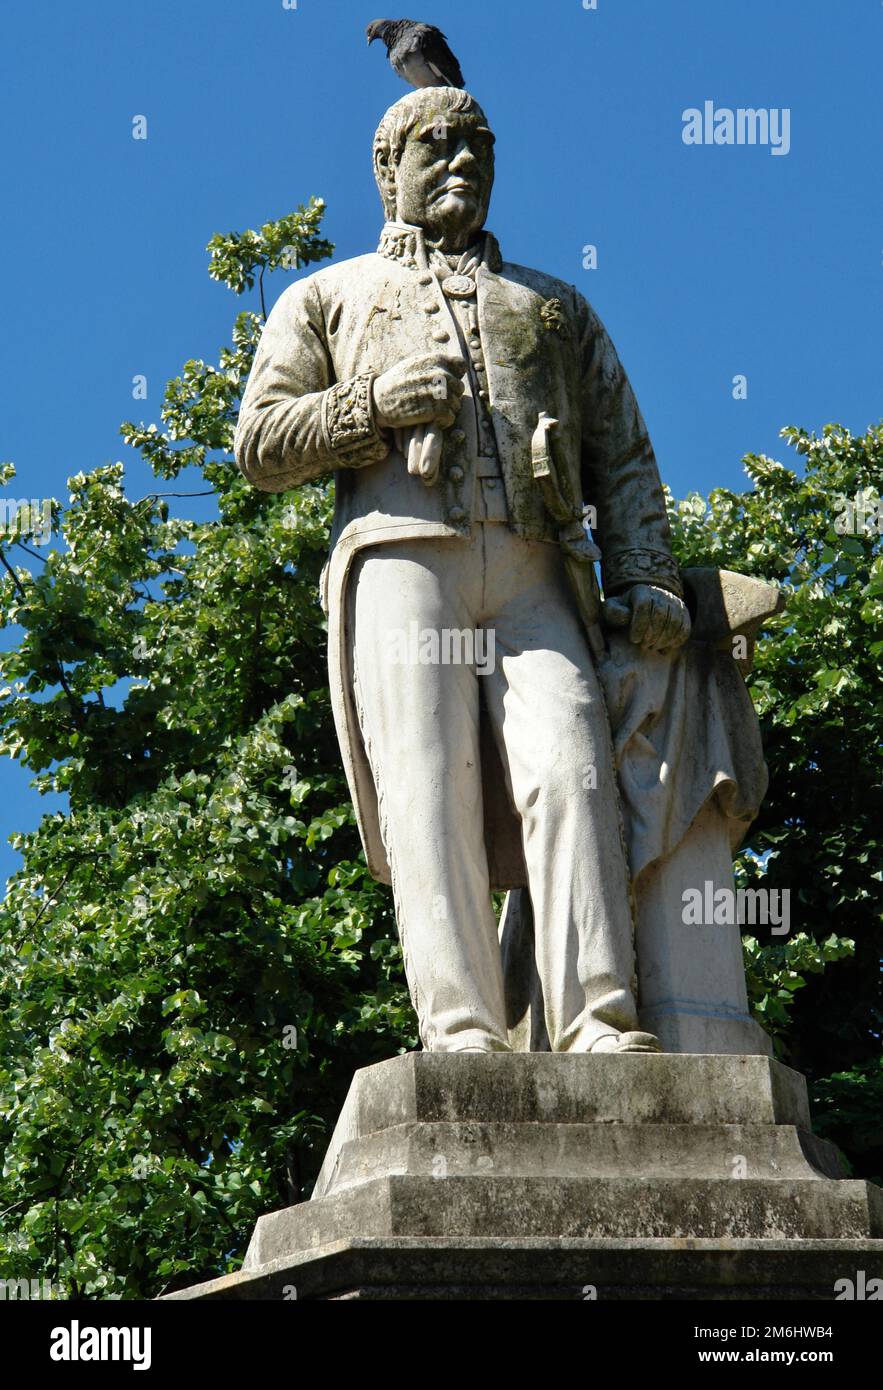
[444, 178]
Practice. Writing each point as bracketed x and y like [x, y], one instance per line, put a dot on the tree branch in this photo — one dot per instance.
[76, 708]
[261, 289]
[21, 545]
[15, 579]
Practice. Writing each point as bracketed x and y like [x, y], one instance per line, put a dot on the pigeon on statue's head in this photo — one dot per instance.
[418, 52]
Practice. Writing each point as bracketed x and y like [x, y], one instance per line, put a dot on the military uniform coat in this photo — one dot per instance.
[308, 409]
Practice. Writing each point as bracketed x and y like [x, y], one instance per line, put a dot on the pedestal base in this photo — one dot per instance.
[562, 1176]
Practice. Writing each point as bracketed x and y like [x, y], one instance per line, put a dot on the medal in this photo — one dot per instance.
[458, 287]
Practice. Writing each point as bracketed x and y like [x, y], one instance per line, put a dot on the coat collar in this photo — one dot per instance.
[399, 241]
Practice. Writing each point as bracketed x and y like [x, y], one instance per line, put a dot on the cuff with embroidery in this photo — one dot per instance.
[630, 567]
[350, 428]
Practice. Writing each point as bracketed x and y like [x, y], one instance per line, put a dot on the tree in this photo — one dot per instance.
[194, 958]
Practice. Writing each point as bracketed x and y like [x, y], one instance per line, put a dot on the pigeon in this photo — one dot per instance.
[418, 52]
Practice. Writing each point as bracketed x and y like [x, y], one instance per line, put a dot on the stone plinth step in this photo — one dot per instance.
[563, 1089]
[536, 1149]
[404, 1268]
[568, 1088]
[578, 1207]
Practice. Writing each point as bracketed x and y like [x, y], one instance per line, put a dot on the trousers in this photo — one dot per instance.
[419, 708]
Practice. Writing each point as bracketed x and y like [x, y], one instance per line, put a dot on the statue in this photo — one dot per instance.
[500, 727]
[503, 726]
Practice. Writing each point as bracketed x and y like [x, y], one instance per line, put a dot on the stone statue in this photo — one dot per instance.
[501, 729]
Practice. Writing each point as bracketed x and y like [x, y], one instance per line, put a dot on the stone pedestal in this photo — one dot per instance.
[553, 1175]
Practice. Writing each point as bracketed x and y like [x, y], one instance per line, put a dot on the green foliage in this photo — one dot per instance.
[816, 686]
[851, 1102]
[288, 244]
[194, 959]
[775, 973]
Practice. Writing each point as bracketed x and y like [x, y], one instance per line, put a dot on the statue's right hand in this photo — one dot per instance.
[422, 389]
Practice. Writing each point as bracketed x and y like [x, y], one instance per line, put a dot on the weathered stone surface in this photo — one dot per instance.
[724, 603]
[566, 1089]
[691, 981]
[576, 1150]
[531, 1175]
[554, 1268]
[627, 1208]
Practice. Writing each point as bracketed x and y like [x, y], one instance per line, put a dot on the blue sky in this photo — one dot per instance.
[713, 261]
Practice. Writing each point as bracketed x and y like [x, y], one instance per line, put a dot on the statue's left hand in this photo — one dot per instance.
[657, 620]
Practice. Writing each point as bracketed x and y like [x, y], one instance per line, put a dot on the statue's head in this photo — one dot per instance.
[434, 164]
